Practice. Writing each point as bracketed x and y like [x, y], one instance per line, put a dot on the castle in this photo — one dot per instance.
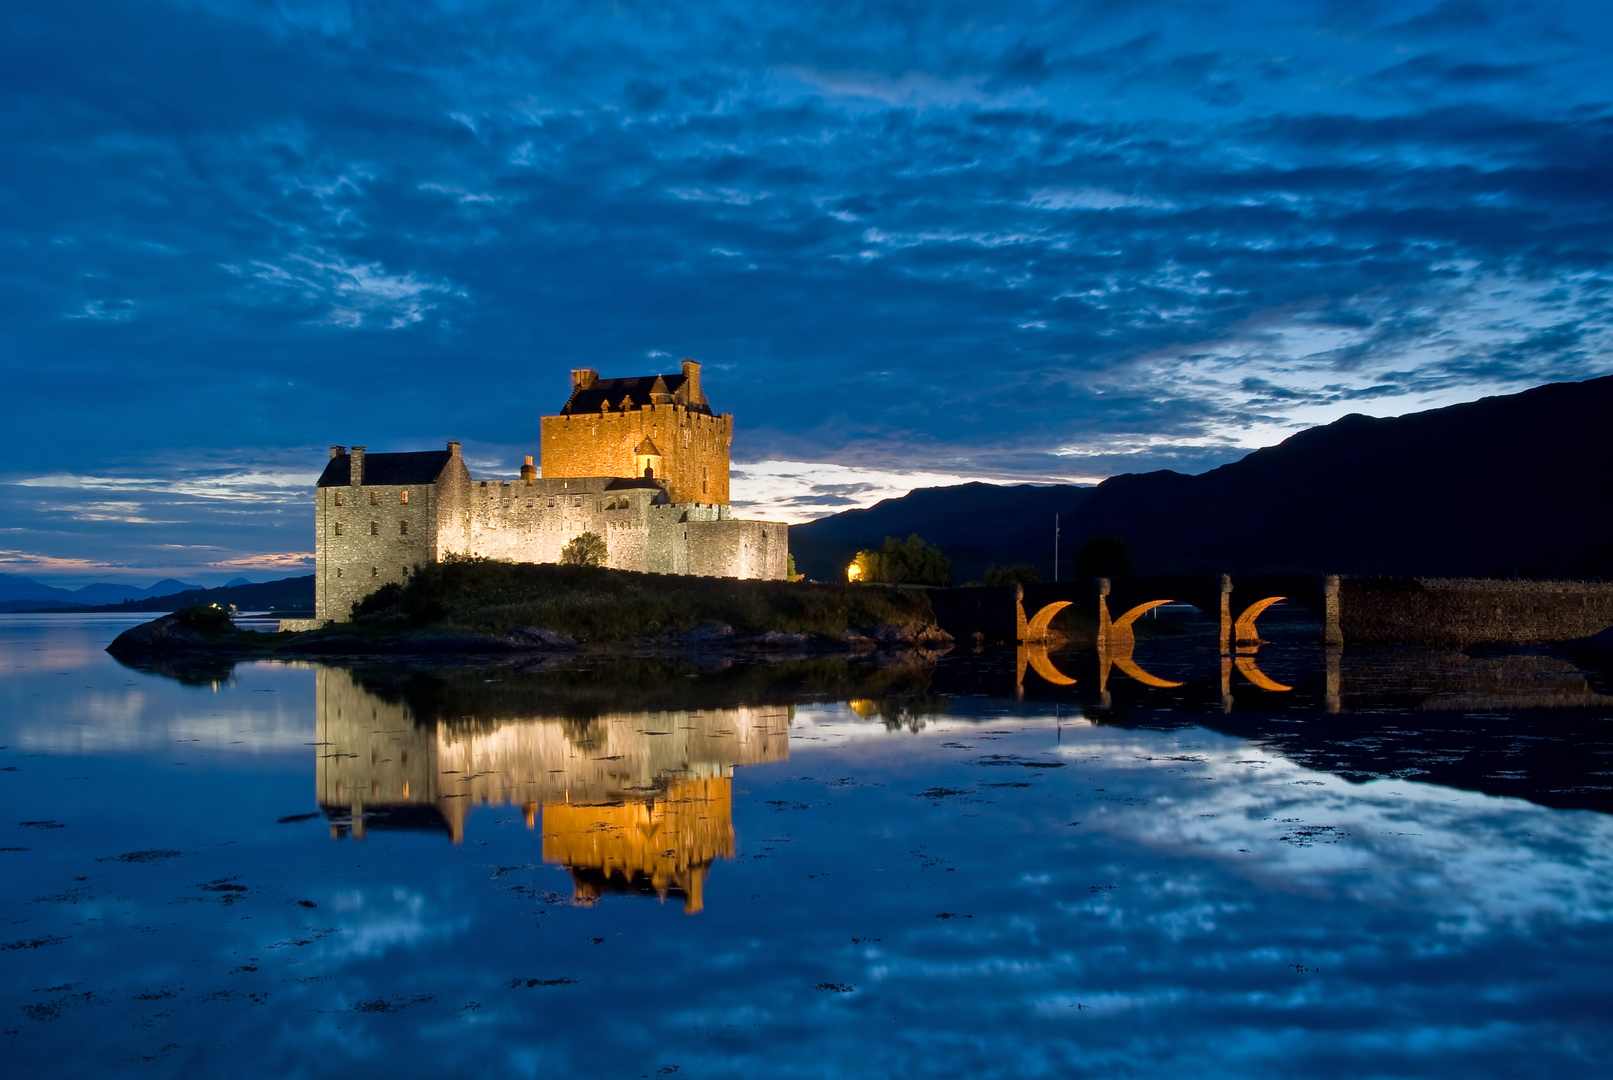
[641, 462]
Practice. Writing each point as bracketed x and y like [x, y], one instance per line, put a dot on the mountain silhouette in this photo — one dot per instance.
[1510, 485]
[1520, 484]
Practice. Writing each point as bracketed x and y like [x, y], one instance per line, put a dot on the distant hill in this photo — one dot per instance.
[18, 593]
[288, 594]
[974, 524]
[1520, 484]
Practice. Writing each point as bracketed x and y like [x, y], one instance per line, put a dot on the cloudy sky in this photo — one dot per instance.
[910, 242]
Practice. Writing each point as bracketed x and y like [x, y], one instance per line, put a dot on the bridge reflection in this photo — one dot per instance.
[629, 802]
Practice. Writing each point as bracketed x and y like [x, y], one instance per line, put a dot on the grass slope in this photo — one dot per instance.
[595, 604]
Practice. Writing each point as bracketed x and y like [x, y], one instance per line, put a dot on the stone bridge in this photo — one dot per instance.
[1364, 611]
[1451, 612]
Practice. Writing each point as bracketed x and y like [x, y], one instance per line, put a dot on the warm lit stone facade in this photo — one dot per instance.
[379, 516]
[656, 425]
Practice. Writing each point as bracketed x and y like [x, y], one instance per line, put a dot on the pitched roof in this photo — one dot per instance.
[635, 391]
[388, 470]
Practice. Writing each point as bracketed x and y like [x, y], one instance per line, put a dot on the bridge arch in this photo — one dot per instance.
[1036, 628]
[1244, 633]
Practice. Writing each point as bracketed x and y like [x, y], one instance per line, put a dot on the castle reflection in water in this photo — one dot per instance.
[630, 802]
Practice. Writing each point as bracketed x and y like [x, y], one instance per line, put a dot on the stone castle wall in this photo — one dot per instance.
[366, 536]
[527, 521]
[693, 447]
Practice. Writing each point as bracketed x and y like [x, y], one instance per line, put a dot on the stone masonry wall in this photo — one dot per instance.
[694, 448]
[361, 543]
[1460, 612]
[367, 536]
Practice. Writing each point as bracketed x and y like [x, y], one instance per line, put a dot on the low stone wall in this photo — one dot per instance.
[1459, 612]
[297, 626]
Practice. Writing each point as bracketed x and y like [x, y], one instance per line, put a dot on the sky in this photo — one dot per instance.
[910, 243]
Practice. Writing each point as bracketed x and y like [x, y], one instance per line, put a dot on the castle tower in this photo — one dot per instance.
[623, 427]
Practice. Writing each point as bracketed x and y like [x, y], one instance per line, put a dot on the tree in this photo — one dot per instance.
[1022, 573]
[910, 561]
[1103, 556]
[586, 550]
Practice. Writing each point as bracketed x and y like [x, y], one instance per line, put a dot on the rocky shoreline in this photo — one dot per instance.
[198, 632]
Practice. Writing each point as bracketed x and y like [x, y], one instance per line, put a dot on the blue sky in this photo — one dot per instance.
[909, 242]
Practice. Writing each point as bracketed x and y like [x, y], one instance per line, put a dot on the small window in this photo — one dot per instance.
[506, 504]
[403, 497]
[339, 499]
[338, 571]
[403, 529]
[405, 574]
[375, 498]
[551, 502]
[576, 500]
[338, 528]
[375, 571]
[375, 528]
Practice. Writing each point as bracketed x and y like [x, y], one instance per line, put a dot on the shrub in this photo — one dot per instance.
[205, 619]
[910, 561]
[1022, 573]
[1103, 556]
[586, 550]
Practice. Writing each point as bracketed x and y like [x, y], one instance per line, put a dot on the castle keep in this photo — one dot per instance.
[641, 462]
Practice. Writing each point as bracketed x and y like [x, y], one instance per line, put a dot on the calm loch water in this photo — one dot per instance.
[1395, 864]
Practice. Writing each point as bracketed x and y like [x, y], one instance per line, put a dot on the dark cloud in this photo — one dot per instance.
[1101, 237]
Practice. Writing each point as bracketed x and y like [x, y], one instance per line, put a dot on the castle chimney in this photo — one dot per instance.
[355, 474]
[337, 451]
[528, 472]
[583, 378]
[691, 383]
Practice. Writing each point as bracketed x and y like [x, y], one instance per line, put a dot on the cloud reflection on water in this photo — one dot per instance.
[905, 894]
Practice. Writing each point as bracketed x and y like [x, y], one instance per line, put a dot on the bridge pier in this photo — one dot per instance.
[1332, 624]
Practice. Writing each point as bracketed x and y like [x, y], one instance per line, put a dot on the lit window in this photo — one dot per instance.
[375, 528]
[338, 528]
[375, 498]
[339, 499]
[403, 529]
[403, 497]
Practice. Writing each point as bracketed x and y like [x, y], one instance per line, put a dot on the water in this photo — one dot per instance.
[634, 868]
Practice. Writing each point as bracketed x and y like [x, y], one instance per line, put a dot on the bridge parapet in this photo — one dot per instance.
[1469, 611]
